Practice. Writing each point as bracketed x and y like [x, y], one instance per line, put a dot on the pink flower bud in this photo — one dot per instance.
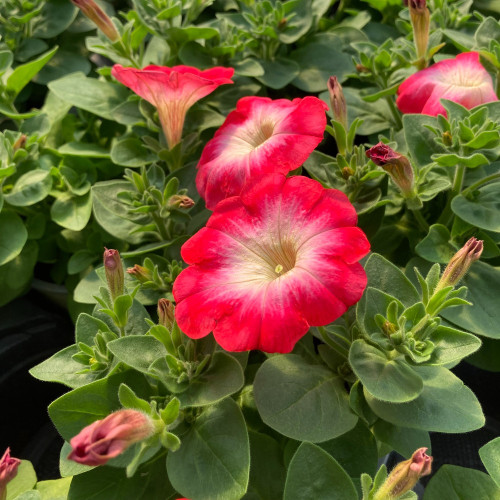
[166, 313]
[105, 439]
[460, 263]
[180, 201]
[405, 476]
[337, 101]
[396, 165]
[98, 17]
[140, 273]
[114, 272]
[8, 471]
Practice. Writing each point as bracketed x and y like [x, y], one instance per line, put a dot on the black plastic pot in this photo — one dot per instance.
[31, 330]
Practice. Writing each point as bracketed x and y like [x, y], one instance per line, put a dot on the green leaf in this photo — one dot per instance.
[452, 482]
[402, 439]
[55, 17]
[80, 261]
[356, 451]
[451, 160]
[14, 236]
[62, 368]
[451, 345]
[436, 246]
[313, 473]
[278, 73]
[62, 64]
[131, 152]
[445, 405]
[16, 275]
[483, 317]
[388, 278]
[111, 214]
[384, 378]
[314, 406]
[372, 303]
[420, 139]
[267, 473]
[300, 13]
[88, 150]
[483, 210]
[75, 410]
[490, 456]
[137, 351]
[23, 481]
[318, 59]
[223, 378]
[30, 188]
[90, 94]
[56, 489]
[213, 461]
[23, 74]
[111, 483]
[72, 212]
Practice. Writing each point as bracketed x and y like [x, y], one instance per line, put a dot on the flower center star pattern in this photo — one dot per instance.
[270, 263]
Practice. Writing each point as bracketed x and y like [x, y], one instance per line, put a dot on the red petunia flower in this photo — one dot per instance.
[270, 263]
[261, 136]
[463, 80]
[172, 90]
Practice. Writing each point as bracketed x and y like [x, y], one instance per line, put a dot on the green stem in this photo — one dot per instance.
[455, 190]
[340, 10]
[479, 183]
[420, 220]
[394, 111]
[498, 83]
[161, 227]
[342, 351]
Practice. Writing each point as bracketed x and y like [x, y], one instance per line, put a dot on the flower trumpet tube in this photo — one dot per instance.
[269, 264]
[463, 80]
[420, 20]
[260, 137]
[172, 91]
[8, 471]
[105, 439]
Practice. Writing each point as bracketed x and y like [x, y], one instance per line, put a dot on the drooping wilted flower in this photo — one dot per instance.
[269, 264]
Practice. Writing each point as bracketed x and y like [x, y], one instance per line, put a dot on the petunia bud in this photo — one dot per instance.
[165, 313]
[180, 201]
[99, 17]
[396, 165]
[114, 272]
[141, 273]
[337, 101]
[420, 19]
[105, 439]
[20, 143]
[405, 476]
[460, 263]
[8, 471]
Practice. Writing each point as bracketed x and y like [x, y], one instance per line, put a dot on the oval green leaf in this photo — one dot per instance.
[13, 236]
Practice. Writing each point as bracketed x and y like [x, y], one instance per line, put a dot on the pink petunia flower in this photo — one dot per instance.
[172, 90]
[463, 80]
[270, 263]
[107, 438]
[261, 136]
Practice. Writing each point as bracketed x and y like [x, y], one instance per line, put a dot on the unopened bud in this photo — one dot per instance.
[114, 272]
[405, 476]
[20, 143]
[389, 328]
[362, 69]
[337, 101]
[460, 263]
[180, 201]
[396, 165]
[105, 439]
[141, 273]
[165, 313]
[347, 172]
[447, 138]
[420, 20]
[98, 17]
[8, 471]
